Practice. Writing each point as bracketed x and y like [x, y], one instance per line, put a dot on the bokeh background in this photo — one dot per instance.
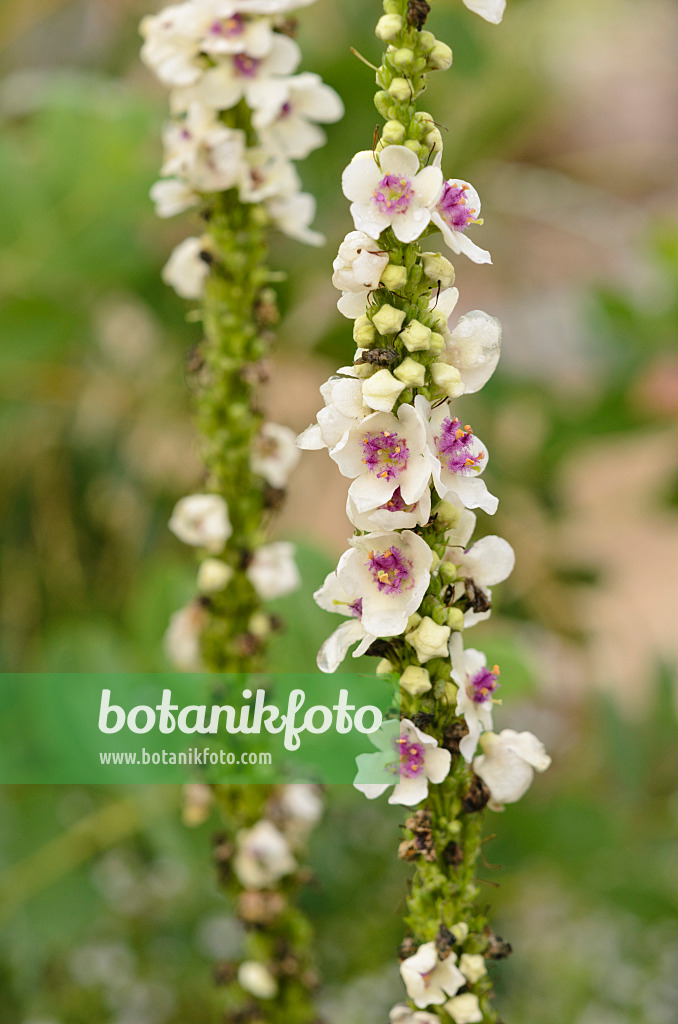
[565, 120]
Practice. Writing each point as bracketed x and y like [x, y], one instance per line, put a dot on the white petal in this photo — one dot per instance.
[490, 10]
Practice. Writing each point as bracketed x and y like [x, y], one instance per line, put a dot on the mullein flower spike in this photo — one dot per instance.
[412, 581]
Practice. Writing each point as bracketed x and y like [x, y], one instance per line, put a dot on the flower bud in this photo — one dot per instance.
[433, 140]
[426, 41]
[460, 931]
[363, 331]
[419, 151]
[259, 625]
[440, 616]
[447, 515]
[415, 681]
[403, 58]
[437, 268]
[472, 966]
[415, 337]
[440, 57]
[213, 575]
[411, 373]
[401, 90]
[455, 619]
[429, 639]
[381, 390]
[447, 573]
[389, 27]
[394, 277]
[437, 345]
[388, 319]
[383, 103]
[413, 621]
[448, 379]
[422, 122]
[393, 133]
[384, 667]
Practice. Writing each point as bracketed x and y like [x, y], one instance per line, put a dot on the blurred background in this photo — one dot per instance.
[564, 118]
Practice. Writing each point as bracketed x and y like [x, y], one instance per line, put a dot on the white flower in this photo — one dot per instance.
[292, 214]
[477, 685]
[332, 597]
[508, 763]
[257, 979]
[231, 79]
[490, 10]
[273, 571]
[473, 347]
[357, 271]
[464, 1009]
[392, 193]
[203, 151]
[381, 390]
[402, 1014]
[285, 109]
[172, 197]
[301, 805]
[429, 639]
[472, 966]
[344, 406]
[394, 514]
[459, 457]
[253, 6]
[409, 754]
[275, 454]
[457, 208]
[265, 175]
[390, 573]
[262, 856]
[231, 30]
[202, 520]
[383, 453]
[182, 638]
[428, 979]
[486, 563]
[186, 270]
[172, 43]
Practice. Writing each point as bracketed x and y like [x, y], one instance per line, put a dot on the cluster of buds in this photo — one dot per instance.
[259, 859]
[413, 581]
[240, 117]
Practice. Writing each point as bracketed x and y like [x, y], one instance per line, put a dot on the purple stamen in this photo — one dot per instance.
[385, 454]
[246, 66]
[356, 608]
[394, 194]
[454, 209]
[391, 571]
[454, 448]
[483, 684]
[233, 26]
[411, 757]
[286, 110]
[396, 503]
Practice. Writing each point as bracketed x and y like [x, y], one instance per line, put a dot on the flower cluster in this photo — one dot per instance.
[413, 581]
[260, 860]
[240, 116]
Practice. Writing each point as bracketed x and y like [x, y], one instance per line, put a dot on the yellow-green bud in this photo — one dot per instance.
[415, 681]
[383, 102]
[363, 331]
[413, 621]
[417, 148]
[447, 573]
[259, 625]
[213, 575]
[437, 343]
[426, 41]
[388, 319]
[363, 370]
[381, 391]
[389, 27]
[433, 140]
[415, 337]
[437, 268]
[429, 639]
[384, 667]
[411, 373]
[401, 90]
[451, 692]
[460, 931]
[394, 277]
[455, 619]
[403, 57]
[447, 515]
[393, 133]
[440, 57]
[448, 379]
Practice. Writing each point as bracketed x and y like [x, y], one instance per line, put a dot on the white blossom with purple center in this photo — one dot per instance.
[286, 112]
[202, 151]
[394, 514]
[430, 980]
[457, 208]
[391, 573]
[332, 597]
[407, 758]
[477, 685]
[458, 458]
[384, 453]
[391, 191]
